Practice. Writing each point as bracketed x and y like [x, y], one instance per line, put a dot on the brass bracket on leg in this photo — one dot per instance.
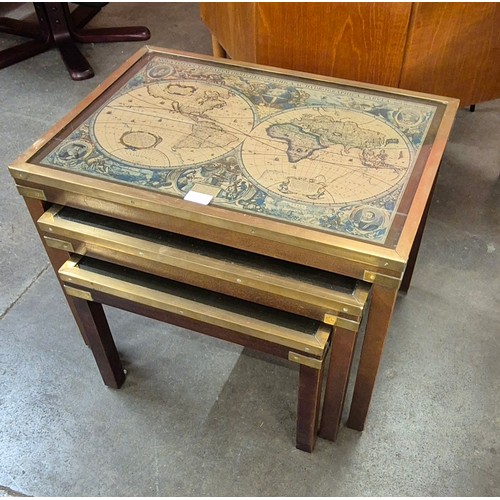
[29, 192]
[346, 324]
[305, 360]
[79, 294]
[382, 279]
[59, 244]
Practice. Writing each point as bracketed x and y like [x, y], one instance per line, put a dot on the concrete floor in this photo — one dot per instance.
[197, 416]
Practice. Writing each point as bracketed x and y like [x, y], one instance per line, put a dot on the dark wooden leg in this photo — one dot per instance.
[41, 33]
[412, 259]
[342, 349]
[379, 318]
[308, 407]
[76, 64]
[83, 14]
[66, 33]
[19, 27]
[101, 35]
[95, 324]
[58, 27]
[19, 53]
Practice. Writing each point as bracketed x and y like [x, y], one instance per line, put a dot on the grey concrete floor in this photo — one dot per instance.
[197, 416]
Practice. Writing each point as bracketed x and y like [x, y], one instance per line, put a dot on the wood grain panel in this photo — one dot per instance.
[357, 41]
[449, 48]
[233, 25]
[454, 50]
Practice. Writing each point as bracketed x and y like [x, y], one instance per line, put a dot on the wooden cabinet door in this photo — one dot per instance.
[357, 41]
[450, 48]
[454, 50]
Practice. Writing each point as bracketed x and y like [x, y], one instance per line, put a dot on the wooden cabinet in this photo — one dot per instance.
[450, 49]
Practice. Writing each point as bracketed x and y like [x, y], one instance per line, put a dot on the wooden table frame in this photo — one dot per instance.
[383, 267]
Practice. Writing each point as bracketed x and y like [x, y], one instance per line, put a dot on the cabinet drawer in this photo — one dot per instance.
[298, 289]
[84, 276]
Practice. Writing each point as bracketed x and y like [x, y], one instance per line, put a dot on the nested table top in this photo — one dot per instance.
[337, 157]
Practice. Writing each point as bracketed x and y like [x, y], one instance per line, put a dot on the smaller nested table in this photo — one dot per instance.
[281, 189]
[268, 305]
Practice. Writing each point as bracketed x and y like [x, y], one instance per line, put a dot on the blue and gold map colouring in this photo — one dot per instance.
[316, 155]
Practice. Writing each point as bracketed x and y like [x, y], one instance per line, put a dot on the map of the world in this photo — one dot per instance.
[318, 155]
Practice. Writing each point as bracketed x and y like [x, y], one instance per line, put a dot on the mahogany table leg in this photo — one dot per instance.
[308, 407]
[95, 324]
[342, 350]
[379, 318]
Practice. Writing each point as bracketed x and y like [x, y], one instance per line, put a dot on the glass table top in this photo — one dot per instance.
[327, 156]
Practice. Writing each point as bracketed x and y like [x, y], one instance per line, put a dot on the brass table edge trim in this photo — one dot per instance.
[343, 303]
[357, 252]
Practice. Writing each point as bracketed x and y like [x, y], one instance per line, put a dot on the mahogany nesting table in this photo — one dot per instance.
[266, 207]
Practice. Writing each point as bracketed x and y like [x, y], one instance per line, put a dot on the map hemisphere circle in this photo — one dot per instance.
[314, 155]
[172, 124]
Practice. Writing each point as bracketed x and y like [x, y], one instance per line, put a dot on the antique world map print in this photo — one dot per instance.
[318, 155]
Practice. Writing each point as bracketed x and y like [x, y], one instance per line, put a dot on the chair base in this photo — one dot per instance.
[57, 27]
